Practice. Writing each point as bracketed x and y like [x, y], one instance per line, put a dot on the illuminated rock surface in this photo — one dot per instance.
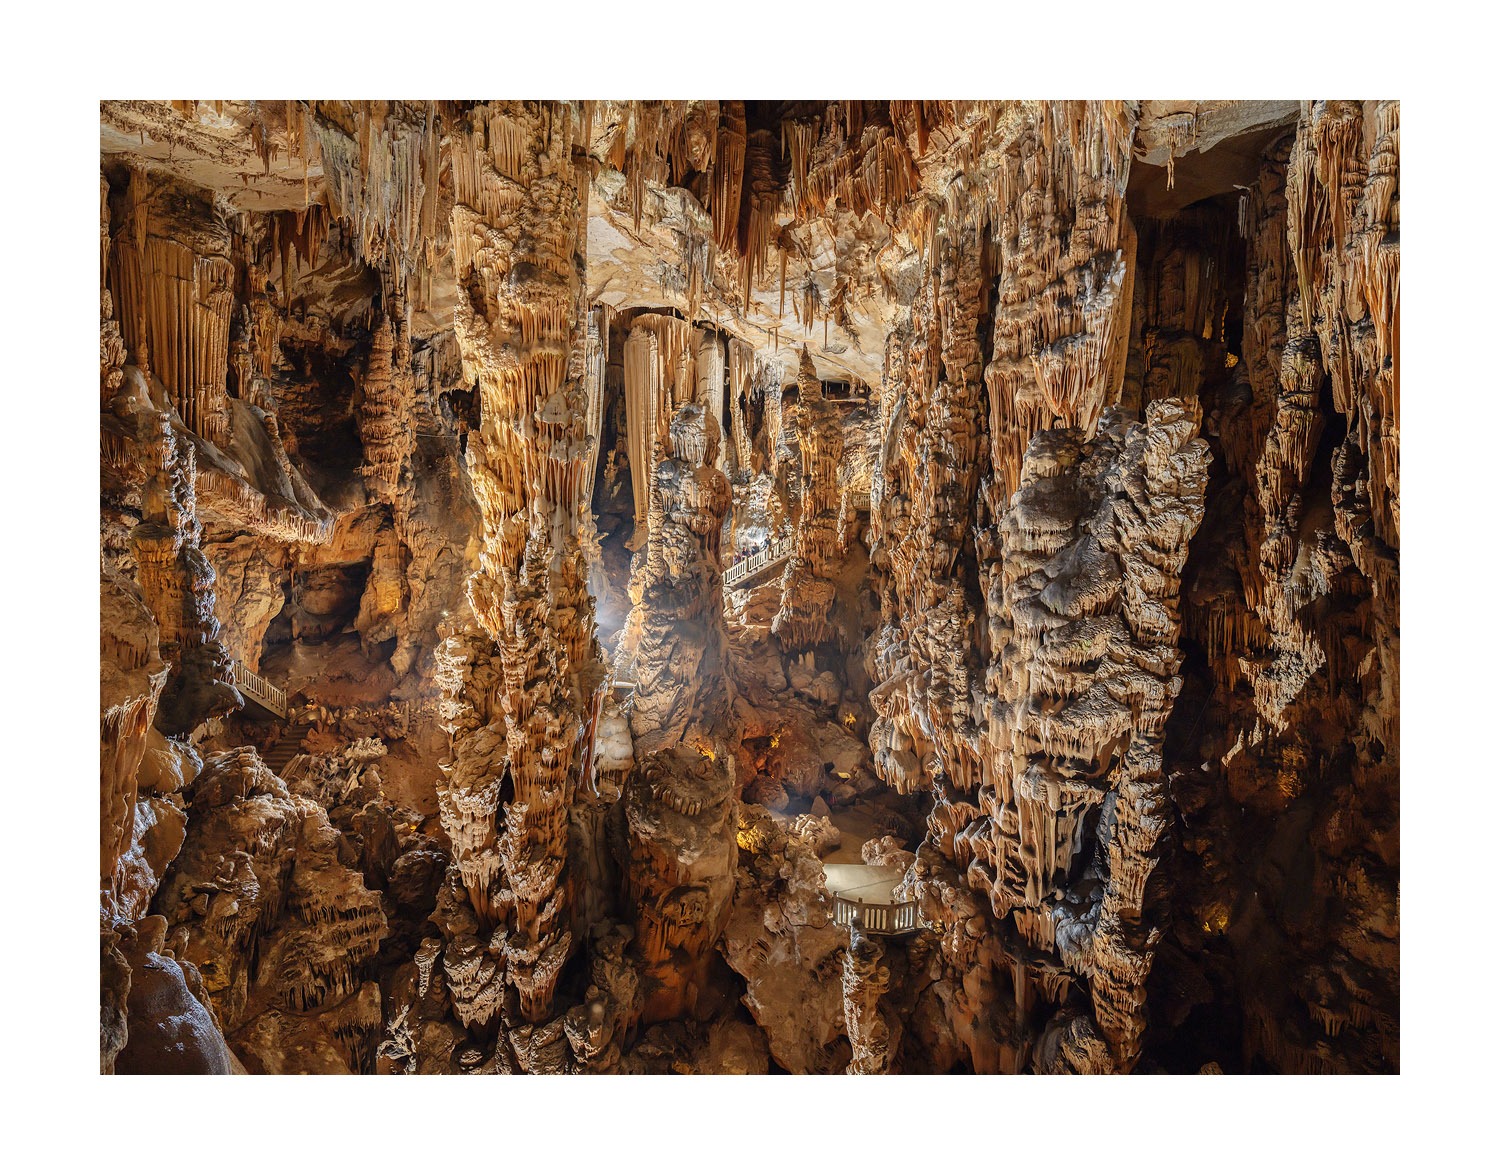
[536, 538]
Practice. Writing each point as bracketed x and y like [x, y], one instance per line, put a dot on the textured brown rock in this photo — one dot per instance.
[806, 590]
[781, 938]
[171, 1029]
[680, 802]
[536, 536]
[516, 243]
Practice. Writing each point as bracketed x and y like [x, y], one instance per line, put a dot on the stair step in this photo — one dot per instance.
[287, 747]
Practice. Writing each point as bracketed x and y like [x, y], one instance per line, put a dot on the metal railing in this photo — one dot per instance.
[259, 690]
[777, 552]
[876, 917]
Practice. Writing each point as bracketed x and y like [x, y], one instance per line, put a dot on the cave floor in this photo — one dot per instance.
[857, 826]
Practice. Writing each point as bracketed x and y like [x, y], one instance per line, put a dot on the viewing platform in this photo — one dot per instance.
[864, 895]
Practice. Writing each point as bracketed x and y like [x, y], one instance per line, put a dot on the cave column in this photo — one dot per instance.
[642, 396]
[518, 250]
[807, 586]
[710, 373]
[741, 370]
[680, 800]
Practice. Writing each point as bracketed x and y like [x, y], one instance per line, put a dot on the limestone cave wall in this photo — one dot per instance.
[548, 548]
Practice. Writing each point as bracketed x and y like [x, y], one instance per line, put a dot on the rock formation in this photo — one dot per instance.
[679, 803]
[516, 230]
[749, 586]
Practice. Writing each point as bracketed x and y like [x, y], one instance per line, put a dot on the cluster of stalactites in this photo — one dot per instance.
[1063, 315]
[1344, 235]
[380, 166]
[172, 282]
[854, 159]
[661, 373]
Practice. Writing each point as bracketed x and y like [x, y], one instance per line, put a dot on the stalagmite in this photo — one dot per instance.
[385, 416]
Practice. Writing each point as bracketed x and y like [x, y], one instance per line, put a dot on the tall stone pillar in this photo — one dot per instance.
[807, 589]
[680, 801]
[527, 685]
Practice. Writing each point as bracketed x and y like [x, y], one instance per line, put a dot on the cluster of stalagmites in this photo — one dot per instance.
[1118, 626]
[283, 931]
[240, 925]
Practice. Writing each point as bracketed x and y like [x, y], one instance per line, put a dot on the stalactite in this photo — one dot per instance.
[1060, 314]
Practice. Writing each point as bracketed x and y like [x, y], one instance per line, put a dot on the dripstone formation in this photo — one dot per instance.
[747, 587]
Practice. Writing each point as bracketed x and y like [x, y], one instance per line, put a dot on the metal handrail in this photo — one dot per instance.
[257, 688]
[876, 917]
[774, 553]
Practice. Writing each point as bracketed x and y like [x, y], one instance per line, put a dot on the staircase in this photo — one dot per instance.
[287, 747]
[257, 689]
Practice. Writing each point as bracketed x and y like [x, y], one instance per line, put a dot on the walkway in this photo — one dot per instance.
[753, 565]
